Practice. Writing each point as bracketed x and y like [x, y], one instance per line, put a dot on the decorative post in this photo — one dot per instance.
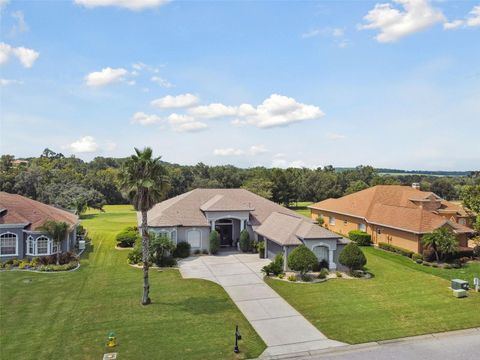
[236, 350]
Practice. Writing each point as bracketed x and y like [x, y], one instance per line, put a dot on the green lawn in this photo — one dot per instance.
[301, 207]
[399, 301]
[68, 316]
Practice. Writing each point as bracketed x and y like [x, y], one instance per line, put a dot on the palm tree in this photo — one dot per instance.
[442, 239]
[57, 231]
[431, 240]
[144, 181]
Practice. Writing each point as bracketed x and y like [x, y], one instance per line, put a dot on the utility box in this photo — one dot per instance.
[81, 245]
[460, 293]
[458, 284]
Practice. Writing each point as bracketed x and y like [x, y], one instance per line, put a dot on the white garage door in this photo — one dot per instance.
[321, 252]
[193, 238]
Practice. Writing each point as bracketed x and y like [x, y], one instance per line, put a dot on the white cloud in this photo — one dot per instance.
[26, 56]
[85, 144]
[105, 76]
[5, 82]
[393, 24]
[179, 119]
[161, 81]
[145, 119]
[213, 111]
[472, 20]
[337, 34]
[335, 136]
[135, 5]
[175, 102]
[193, 126]
[252, 151]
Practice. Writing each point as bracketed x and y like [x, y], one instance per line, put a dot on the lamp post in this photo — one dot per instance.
[237, 337]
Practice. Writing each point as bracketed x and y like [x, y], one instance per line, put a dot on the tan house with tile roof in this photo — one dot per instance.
[191, 217]
[394, 214]
[20, 221]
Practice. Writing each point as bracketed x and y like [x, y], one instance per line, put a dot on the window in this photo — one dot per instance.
[362, 227]
[30, 245]
[379, 231]
[193, 238]
[462, 221]
[8, 244]
[331, 220]
[42, 245]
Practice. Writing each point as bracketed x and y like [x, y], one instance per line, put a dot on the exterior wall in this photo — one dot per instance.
[20, 243]
[331, 244]
[395, 237]
[343, 223]
[336, 254]
[182, 234]
[273, 249]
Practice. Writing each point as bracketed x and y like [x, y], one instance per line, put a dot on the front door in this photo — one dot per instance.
[225, 232]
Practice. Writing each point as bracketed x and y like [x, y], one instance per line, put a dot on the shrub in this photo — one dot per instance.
[476, 251]
[281, 276]
[135, 256]
[245, 242]
[161, 249]
[396, 249]
[214, 241]
[323, 274]
[302, 259]
[338, 274]
[261, 248]
[182, 250]
[417, 256]
[292, 277]
[24, 264]
[435, 265]
[306, 277]
[165, 261]
[360, 237]
[205, 251]
[275, 267]
[127, 237]
[456, 266]
[419, 261]
[447, 266]
[197, 252]
[428, 255]
[352, 257]
[323, 264]
[320, 220]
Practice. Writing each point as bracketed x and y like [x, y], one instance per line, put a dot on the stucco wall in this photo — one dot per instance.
[273, 249]
[20, 243]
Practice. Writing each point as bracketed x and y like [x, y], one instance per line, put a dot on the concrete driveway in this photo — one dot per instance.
[281, 327]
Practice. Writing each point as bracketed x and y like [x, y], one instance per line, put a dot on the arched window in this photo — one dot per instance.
[8, 244]
[30, 245]
[42, 245]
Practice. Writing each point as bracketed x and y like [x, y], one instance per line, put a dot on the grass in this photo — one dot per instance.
[68, 315]
[301, 208]
[399, 301]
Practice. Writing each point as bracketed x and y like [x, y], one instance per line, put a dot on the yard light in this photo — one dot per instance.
[237, 337]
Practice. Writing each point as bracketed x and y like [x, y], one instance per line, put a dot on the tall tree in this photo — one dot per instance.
[144, 181]
[441, 240]
[57, 230]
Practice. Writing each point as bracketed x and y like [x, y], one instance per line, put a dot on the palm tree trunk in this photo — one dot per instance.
[145, 257]
[58, 252]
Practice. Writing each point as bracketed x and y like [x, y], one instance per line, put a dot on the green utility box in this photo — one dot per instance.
[460, 293]
[458, 284]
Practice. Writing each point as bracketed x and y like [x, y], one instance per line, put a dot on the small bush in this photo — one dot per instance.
[281, 276]
[447, 266]
[292, 278]
[214, 240]
[306, 277]
[275, 267]
[428, 255]
[127, 237]
[396, 249]
[426, 263]
[456, 266]
[261, 247]
[352, 257]
[245, 242]
[135, 256]
[417, 256]
[419, 261]
[302, 259]
[476, 251]
[182, 250]
[197, 252]
[205, 251]
[360, 237]
[165, 261]
[323, 264]
[338, 274]
[320, 220]
[323, 274]
[24, 264]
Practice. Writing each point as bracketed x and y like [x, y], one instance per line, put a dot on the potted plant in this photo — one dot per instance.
[261, 249]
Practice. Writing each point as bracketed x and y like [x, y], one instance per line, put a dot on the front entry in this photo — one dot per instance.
[225, 230]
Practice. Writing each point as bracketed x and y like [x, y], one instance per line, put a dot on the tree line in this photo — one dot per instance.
[72, 183]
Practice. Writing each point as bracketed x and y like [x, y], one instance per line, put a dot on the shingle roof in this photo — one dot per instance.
[31, 213]
[392, 206]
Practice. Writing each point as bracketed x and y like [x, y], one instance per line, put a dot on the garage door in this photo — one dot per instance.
[193, 238]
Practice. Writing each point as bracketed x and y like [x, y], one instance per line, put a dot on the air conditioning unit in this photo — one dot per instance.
[458, 284]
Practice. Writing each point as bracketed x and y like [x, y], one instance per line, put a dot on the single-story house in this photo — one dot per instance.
[191, 217]
[394, 214]
[20, 221]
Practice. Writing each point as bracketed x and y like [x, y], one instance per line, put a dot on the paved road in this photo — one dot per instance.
[455, 345]
[281, 327]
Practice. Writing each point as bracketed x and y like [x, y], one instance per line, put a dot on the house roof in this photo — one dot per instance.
[285, 229]
[32, 214]
[269, 219]
[395, 206]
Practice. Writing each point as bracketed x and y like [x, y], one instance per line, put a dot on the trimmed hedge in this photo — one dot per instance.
[127, 237]
[396, 249]
[360, 237]
[214, 242]
[352, 257]
[182, 250]
[302, 259]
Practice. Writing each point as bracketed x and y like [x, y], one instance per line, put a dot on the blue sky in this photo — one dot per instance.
[391, 83]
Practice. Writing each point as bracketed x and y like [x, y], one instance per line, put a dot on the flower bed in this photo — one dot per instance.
[318, 277]
[37, 267]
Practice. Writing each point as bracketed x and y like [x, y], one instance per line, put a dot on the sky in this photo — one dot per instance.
[389, 83]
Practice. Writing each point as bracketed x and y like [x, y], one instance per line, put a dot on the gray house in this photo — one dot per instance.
[20, 222]
[191, 217]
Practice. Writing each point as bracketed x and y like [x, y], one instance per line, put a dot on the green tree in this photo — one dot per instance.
[259, 186]
[470, 195]
[444, 188]
[356, 186]
[441, 240]
[143, 179]
[302, 259]
[352, 257]
[57, 231]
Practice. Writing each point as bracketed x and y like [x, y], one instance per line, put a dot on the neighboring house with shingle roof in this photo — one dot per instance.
[21, 220]
[399, 215]
[191, 217]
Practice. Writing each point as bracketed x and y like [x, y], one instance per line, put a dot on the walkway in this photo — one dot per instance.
[281, 327]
